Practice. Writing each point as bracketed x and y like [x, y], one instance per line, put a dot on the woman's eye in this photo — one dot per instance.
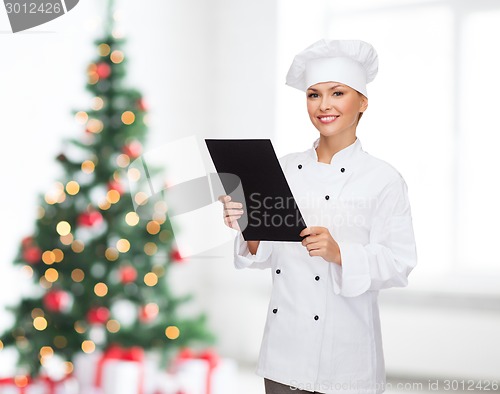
[337, 94]
[312, 95]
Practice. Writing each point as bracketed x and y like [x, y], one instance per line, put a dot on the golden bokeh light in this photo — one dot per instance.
[159, 217]
[88, 166]
[88, 346]
[150, 248]
[63, 228]
[51, 275]
[81, 117]
[40, 323]
[104, 205]
[37, 312]
[113, 326]
[77, 275]
[72, 187]
[45, 283]
[1, 345]
[60, 342]
[58, 255]
[123, 160]
[161, 207]
[27, 270]
[117, 56]
[93, 78]
[134, 174]
[95, 126]
[104, 49]
[128, 117]
[111, 253]
[21, 381]
[158, 270]
[153, 227]
[77, 246]
[100, 289]
[69, 367]
[141, 198]
[46, 351]
[172, 332]
[123, 245]
[66, 239]
[97, 103]
[132, 218]
[113, 196]
[150, 279]
[40, 212]
[48, 257]
[80, 327]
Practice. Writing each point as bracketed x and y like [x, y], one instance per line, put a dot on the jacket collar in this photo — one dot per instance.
[343, 156]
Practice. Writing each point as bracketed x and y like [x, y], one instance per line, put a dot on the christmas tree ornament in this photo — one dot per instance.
[115, 185]
[127, 274]
[133, 149]
[89, 219]
[98, 315]
[32, 254]
[148, 312]
[103, 70]
[58, 301]
[141, 104]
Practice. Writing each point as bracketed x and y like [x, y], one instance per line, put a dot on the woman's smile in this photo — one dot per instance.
[325, 119]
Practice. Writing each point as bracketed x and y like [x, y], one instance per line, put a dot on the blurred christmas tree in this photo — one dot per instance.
[99, 268]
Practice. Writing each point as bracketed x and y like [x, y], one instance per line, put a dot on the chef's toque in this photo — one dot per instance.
[351, 62]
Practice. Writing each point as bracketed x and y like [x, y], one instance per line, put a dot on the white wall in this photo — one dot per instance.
[210, 69]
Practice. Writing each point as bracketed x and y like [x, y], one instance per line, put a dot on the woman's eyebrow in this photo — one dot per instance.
[333, 87]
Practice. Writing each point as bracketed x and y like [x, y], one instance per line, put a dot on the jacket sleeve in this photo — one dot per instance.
[389, 257]
[244, 259]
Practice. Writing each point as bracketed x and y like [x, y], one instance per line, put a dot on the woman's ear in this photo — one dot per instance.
[363, 104]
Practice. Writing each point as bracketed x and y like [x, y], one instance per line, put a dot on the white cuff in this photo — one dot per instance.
[244, 259]
[353, 277]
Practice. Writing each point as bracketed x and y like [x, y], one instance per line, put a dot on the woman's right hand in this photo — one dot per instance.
[232, 212]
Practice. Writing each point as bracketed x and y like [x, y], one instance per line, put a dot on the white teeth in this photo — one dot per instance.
[327, 118]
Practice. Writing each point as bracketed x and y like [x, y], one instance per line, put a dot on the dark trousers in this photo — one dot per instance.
[273, 387]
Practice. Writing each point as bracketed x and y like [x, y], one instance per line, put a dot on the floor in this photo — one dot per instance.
[249, 383]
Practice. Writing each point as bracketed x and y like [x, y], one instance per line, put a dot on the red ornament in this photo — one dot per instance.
[103, 70]
[27, 241]
[148, 313]
[133, 149]
[141, 104]
[57, 301]
[128, 274]
[99, 315]
[32, 254]
[89, 219]
[115, 185]
[176, 257]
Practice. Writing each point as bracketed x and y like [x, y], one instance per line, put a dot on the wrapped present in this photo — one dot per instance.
[40, 385]
[17, 385]
[116, 371]
[204, 373]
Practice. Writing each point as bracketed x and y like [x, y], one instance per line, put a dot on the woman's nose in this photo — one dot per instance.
[325, 104]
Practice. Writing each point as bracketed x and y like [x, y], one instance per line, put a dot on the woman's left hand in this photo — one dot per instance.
[319, 242]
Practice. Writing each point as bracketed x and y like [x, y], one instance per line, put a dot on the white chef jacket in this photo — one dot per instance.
[322, 331]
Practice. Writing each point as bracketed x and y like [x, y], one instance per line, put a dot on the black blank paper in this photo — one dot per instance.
[271, 210]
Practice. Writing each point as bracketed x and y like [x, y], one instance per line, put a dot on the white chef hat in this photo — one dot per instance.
[351, 62]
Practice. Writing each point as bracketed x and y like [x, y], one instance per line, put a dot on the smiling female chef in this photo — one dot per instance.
[322, 331]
